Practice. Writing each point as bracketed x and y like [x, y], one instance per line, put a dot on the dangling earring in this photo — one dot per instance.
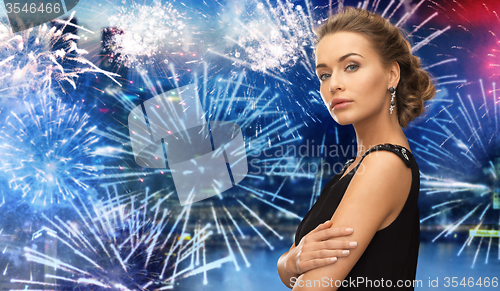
[392, 90]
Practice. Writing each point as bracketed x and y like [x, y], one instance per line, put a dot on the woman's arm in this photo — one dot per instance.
[372, 195]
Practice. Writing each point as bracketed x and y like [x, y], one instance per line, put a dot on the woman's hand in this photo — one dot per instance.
[318, 249]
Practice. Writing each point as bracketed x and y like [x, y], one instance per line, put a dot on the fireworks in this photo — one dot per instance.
[122, 242]
[145, 31]
[48, 150]
[277, 39]
[466, 142]
[268, 39]
[53, 152]
[276, 43]
[112, 244]
[230, 211]
[36, 61]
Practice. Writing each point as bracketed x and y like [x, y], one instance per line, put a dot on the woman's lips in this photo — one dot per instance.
[342, 105]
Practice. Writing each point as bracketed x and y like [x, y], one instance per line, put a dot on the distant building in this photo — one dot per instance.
[108, 58]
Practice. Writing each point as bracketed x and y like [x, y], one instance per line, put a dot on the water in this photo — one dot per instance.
[436, 261]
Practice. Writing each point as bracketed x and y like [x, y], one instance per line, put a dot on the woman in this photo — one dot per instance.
[370, 79]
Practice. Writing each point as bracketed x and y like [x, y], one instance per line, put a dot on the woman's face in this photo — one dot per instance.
[348, 65]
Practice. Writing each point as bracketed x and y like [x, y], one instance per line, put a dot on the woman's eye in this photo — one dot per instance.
[352, 66]
[321, 77]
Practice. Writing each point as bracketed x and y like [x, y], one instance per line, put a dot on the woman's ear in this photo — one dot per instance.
[394, 74]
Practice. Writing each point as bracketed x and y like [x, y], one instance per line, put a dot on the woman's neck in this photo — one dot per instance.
[378, 130]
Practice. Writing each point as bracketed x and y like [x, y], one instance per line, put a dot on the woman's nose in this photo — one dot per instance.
[336, 83]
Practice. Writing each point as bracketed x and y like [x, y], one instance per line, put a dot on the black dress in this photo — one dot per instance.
[392, 254]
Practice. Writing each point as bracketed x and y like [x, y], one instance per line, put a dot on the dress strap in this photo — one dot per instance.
[347, 164]
[401, 151]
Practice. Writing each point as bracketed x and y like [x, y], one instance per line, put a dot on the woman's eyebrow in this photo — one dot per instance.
[342, 58]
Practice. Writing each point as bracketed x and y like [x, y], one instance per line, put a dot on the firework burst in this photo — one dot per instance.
[48, 150]
[267, 39]
[36, 61]
[144, 31]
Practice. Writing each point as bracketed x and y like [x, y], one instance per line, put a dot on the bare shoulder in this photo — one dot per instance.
[385, 175]
[383, 162]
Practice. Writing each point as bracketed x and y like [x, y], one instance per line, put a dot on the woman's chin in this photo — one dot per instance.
[341, 120]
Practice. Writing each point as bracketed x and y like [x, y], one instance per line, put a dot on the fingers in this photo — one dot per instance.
[316, 263]
[331, 232]
[319, 258]
[324, 225]
[338, 244]
[325, 254]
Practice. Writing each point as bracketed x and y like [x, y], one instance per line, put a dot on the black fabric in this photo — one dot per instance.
[393, 252]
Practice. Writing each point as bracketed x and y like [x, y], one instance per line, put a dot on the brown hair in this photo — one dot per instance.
[415, 85]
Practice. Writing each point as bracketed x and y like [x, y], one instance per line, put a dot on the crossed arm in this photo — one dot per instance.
[377, 191]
